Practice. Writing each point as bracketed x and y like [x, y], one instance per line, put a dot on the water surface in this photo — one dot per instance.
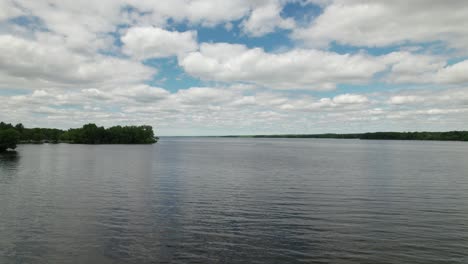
[234, 200]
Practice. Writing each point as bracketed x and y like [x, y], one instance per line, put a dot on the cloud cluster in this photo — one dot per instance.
[380, 23]
[265, 19]
[299, 68]
[219, 109]
[64, 63]
[27, 63]
[151, 42]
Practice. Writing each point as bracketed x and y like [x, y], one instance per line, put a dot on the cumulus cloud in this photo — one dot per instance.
[454, 97]
[405, 99]
[382, 23]
[456, 73]
[206, 12]
[8, 9]
[406, 67]
[81, 61]
[84, 25]
[338, 103]
[151, 42]
[36, 64]
[140, 93]
[303, 69]
[203, 95]
[350, 99]
[265, 19]
[218, 109]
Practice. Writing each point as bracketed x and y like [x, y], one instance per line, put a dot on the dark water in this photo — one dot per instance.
[211, 200]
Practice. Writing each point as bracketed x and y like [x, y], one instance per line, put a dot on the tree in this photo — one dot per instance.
[8, 139]
[19, 127]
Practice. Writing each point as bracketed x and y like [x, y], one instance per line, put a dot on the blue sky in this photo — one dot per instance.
[206, 67]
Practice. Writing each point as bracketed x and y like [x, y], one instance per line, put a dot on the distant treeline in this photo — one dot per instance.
[451, 135]
[443, 136]
[89, 134]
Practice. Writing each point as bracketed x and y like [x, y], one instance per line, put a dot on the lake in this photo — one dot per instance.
[236, 200]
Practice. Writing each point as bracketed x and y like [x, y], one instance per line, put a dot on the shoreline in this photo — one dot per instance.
[419, 136]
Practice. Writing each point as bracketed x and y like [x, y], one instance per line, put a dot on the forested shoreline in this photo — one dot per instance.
[11, 135]
[440, 136]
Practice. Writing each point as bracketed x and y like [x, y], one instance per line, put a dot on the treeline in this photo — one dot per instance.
[442, 136]
[92, 134]
[329, 135]
[11, 135]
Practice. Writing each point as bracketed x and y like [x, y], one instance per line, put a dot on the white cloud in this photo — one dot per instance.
[406, 67]
[93, 93]
[303, 69]
[382, 23]
[8, 9]
[265, 19]
[456, 73]
[221, 110]
[84, 25]
[350, 99]
[152, 42]
[203, 95]
[142, 93]
[66, 59]
[446, 98]
[337, 103]
[405, 99]
[34, 64]
[207, 12]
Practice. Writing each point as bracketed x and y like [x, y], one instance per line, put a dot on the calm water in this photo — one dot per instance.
[208, 200]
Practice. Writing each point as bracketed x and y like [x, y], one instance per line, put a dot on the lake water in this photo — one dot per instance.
[233, 200]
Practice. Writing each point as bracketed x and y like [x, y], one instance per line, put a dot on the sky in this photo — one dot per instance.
[212, 67]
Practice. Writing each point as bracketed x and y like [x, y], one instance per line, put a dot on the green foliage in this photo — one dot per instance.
[92, 134]
[88, 134]
[38, 135]
[4, 126]
[9, 137]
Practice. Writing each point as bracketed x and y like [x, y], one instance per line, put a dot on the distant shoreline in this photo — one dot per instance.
[431, 136]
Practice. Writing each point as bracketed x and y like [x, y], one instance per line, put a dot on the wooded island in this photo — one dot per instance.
[11, 135]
